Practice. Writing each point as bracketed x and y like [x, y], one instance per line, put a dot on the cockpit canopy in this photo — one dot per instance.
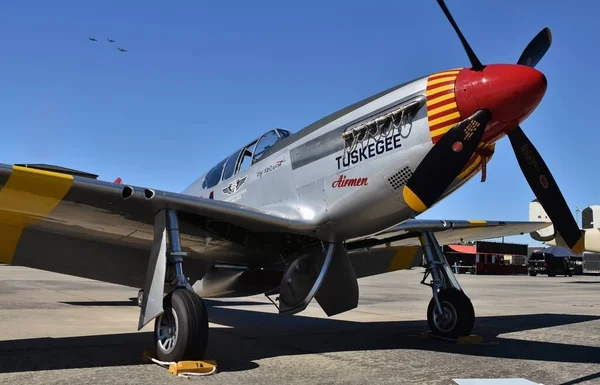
[241, 159]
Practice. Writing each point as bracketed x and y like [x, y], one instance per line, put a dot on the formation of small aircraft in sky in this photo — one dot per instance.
[110, 41]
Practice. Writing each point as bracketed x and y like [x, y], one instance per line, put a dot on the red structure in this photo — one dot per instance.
[488, 258]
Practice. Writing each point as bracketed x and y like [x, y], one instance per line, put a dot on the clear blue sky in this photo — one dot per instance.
[202, 78]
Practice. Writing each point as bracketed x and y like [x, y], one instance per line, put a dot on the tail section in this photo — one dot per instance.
[590, 218]
[538, 214]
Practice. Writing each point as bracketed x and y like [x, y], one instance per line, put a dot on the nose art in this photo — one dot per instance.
[510, 91]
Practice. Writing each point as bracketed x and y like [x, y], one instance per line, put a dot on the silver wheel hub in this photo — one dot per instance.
[167, 333]
[446, 321]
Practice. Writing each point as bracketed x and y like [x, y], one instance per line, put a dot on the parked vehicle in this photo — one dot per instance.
[552, 261]
[576, 264]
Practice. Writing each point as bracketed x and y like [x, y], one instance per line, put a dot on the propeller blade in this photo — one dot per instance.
[546, 190]
[475, 63]
[536, 49]
[444, 162]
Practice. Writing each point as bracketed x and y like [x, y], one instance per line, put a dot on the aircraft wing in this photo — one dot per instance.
[446, 231]
[33, 194]
[69, 223]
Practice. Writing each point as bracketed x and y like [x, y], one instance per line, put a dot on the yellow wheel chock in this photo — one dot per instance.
[465, 340]
[185, 368]
[193, 367]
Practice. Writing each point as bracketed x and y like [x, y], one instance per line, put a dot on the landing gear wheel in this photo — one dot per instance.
[181, 332]
[458, 317]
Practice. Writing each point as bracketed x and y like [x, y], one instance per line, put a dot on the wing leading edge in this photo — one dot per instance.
[446, 231]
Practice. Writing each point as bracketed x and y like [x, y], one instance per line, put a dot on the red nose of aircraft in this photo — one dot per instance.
[510, 91]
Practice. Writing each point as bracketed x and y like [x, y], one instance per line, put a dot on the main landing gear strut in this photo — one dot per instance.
[450, 312]
[180, 318]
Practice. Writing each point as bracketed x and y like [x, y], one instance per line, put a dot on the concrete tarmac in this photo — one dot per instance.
[56, 329]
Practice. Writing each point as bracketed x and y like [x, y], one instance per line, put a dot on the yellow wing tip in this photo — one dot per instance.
[38, 172]
[28, 195]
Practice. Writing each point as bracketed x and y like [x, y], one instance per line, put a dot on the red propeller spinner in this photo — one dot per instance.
[511, 92]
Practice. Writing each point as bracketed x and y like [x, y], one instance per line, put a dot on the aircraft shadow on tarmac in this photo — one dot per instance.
[253, 335]
[584, 282]
[133, 302]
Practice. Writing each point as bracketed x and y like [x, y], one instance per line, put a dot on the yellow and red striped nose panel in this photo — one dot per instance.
[443, 114]
[442, 111]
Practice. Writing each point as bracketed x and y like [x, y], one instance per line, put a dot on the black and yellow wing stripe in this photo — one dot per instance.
[115, 213]
[27, 196]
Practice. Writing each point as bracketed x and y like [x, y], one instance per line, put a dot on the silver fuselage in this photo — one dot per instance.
[313, 176]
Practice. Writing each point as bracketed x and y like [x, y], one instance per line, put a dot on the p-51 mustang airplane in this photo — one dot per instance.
[299, 215]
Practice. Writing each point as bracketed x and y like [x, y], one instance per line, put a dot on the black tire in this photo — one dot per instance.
[191, 329]
[551, 274]
[459, 308]
[140, 297]
[533, 274]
